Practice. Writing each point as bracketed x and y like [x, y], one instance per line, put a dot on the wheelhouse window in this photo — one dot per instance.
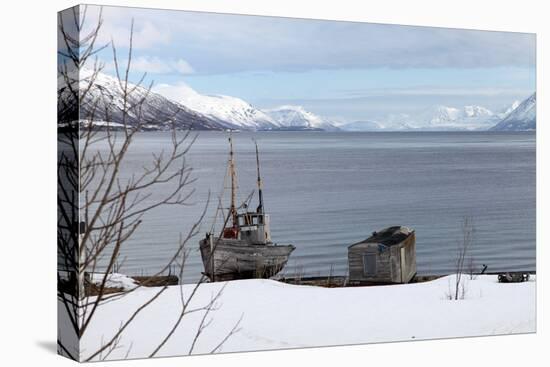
[249, 220]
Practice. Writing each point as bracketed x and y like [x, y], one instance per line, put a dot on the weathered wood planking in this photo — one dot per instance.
[395, 257]
[237, 259]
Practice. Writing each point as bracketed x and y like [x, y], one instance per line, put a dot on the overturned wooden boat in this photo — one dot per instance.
[244, 248]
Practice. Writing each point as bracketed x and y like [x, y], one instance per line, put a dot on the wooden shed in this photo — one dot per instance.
[388, 256]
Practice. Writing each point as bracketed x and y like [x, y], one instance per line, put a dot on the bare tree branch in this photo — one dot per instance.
[98, 210]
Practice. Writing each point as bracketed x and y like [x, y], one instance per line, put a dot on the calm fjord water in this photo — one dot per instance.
[325, 191]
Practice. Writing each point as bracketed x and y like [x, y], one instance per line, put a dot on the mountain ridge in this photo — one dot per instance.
[522, 118]
[104, 102]
[230, 112]
[188, 109]
[292, 116]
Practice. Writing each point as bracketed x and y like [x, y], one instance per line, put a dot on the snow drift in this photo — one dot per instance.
[274, 315]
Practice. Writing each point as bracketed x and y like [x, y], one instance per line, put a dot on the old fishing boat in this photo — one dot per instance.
[244, 248]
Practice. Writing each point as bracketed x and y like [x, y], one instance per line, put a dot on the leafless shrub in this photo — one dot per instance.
[98, 210]
[463, 249]
[449, 293]
[329, 279]
[298, 273]
[471, 268]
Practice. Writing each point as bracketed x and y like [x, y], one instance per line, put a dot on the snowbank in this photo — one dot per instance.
[277, 315]
[114, 280]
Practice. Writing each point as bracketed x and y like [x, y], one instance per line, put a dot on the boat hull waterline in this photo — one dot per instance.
[237, 259]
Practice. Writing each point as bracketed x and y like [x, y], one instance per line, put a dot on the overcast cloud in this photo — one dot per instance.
[343, 69]
[220, 43]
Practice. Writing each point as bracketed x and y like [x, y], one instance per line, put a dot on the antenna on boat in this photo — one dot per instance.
[232, 209]
[260, 196]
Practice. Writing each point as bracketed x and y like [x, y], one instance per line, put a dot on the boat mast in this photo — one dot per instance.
[232, 209]
[260, 196]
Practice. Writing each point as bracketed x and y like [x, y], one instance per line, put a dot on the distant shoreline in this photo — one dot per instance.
[65, 128]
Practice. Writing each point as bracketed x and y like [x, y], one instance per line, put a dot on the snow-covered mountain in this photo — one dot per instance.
[438, 115]
[398, 122]
[231, 112]
[189, 109]
[506, 111]
[185, 107]
[435, 118]
[522, 118]
[297, 118]
[451, 118]
[104, 102]
[361, 126]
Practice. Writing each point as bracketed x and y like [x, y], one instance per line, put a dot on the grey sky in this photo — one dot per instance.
[349, 66]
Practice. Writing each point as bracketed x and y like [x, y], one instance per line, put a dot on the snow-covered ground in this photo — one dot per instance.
[274, 315]
[114, 280]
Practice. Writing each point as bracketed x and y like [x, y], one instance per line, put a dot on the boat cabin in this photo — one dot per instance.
[388, 256]
[254, 227]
